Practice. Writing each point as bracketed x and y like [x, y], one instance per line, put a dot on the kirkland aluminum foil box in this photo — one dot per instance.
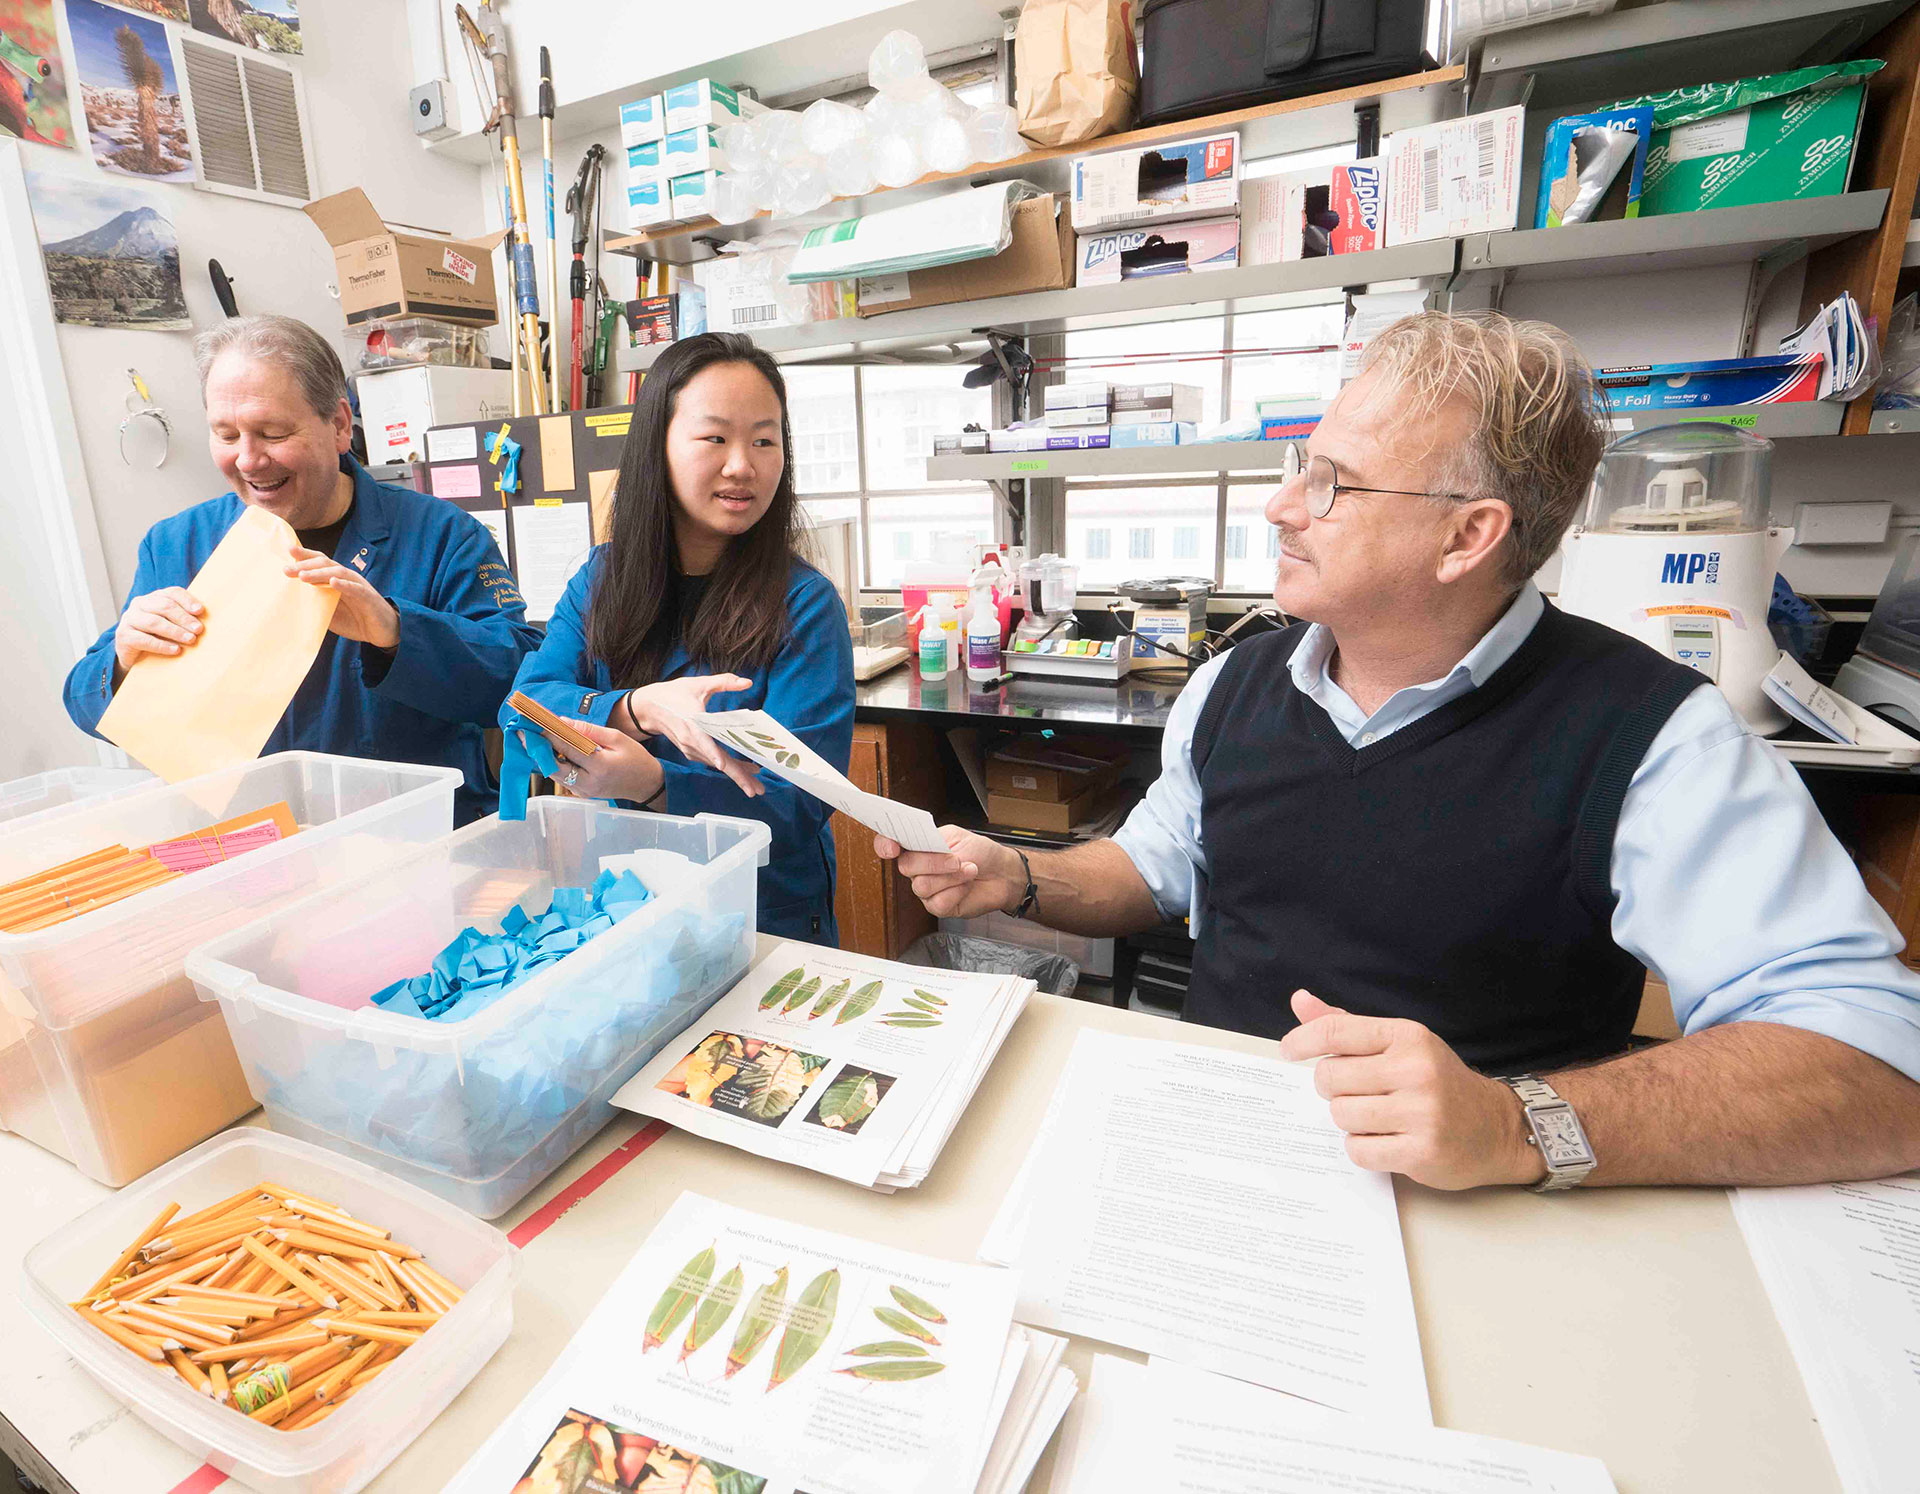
[1785, 379]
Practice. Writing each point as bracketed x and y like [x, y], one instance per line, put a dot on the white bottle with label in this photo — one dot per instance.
[946, 620]
[983, 638]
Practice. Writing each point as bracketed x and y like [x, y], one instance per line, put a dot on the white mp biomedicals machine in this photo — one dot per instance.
[1677, 550]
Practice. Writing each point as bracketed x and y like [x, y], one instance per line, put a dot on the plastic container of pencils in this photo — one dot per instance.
[60, 787]
[339, 1454]
[480, 1110]
[107, 1056]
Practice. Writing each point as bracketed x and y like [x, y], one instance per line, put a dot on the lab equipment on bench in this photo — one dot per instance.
[1169, 621]
[1677, 549]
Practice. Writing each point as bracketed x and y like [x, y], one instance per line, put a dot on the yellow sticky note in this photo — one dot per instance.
[600, 495]
[556, 453]
[213, 705]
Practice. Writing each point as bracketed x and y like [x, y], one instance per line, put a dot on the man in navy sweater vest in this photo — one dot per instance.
[1435, 833]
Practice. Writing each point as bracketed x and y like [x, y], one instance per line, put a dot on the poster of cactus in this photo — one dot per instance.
[33, 77]
[130, 93]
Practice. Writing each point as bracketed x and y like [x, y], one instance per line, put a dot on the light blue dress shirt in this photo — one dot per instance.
[1730, 886]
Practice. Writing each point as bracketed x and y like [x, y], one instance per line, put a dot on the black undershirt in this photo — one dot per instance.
[326, 538]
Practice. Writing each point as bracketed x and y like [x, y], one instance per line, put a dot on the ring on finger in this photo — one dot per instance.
[573, 777]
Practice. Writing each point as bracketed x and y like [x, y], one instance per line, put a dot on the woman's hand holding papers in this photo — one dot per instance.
[620, 769]
[663, 709]
[1407, 1102]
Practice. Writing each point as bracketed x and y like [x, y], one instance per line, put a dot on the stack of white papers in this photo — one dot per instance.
[944, 230]
[1162, 1426]
[1837, 332]
[1198, 1204]
[855, 1067]
[1841, 1263]
[742, 1354]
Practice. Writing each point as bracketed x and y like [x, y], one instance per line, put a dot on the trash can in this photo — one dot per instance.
[1050, 972]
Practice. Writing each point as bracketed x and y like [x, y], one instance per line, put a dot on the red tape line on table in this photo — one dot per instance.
[548, 1214]
[535, 1224]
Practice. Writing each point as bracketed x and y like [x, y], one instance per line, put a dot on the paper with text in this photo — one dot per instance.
[1198, 1203]
[1164, 1426]
[1841, 1264]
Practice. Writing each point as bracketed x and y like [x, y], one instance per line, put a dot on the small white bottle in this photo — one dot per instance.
[983, 638]
[947, 620]
[933, 646]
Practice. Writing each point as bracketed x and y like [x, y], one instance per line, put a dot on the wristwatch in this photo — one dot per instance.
[1556, 1131]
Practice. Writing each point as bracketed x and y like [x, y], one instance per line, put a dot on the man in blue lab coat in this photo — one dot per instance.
[430, 627]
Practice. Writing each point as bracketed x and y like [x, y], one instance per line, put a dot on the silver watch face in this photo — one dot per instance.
[1562, 1143]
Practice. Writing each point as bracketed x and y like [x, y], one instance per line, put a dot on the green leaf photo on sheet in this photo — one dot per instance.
[846, 1103]
[686, 1288]
[809, 1325]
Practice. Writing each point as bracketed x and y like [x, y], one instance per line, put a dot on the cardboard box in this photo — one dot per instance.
[1455, 177]
[1784, 379]
[1169, 433]
[1077, 415]
[1152, 249]
[1079, 438]
[1332, 209]
[399, 406]
[642, 120]
[385, 272]
[1067, 396]
[649, 203]
[1033, 814]
[692, 195]
[1795, 139]
[740, 298]
[678, 314]
[705, 102]
[1178, 401]
[1032, 438]
[1039, 257]
[698, 149]
[1157, 184]
[647, 162]
[1054, 772]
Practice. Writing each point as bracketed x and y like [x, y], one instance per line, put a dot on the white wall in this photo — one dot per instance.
[355, 75]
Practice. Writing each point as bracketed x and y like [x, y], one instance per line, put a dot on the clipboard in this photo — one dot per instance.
[551, 726]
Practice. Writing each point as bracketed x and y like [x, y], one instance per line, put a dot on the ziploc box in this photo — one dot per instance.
[1455, 177]
[1785, 379]
[1561, 162]
[1150, 249]
[385, 272]
[705, 102]
[642, 120]
[1332, 209]
[1157, 184]
[698, 149]
[649, 203]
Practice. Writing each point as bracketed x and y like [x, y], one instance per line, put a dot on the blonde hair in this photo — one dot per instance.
[1537, 417]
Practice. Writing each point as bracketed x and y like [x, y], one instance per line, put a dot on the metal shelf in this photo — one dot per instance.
[1205, 456]
[1673, 241]
[1155, 299]
[1813, 417]
[1267, 129]
[1894, 423]
[1650, 48]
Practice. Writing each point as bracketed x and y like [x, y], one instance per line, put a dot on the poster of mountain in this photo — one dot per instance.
[128, 90]
[267, 25]
[33, 78]
[112, 257]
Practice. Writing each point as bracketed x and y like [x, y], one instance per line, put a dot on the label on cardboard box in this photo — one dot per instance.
[883, 290]
[459, 264]
[1709, 137]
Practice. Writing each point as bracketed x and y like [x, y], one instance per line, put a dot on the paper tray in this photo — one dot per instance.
[1881, 744]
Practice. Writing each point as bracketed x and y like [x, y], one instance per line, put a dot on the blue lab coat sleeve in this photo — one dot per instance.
[90, 682]
[460, 648]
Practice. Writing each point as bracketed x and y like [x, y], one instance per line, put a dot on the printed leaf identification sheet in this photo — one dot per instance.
[1198, 1204]
[740, 1354]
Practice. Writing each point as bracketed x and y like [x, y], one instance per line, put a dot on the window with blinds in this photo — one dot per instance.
[247, 124]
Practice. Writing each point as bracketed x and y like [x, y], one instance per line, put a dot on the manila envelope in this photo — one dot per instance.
[214, 705]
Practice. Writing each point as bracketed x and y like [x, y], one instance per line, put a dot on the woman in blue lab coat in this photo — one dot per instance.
[429, 628]
[698, 596]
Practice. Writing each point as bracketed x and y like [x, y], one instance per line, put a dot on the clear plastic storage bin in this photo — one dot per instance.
[342, 1453]
[60, 787]
[107, 1056]
[480, 1111]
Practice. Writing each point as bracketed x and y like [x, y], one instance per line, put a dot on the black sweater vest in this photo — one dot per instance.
[1455, 872]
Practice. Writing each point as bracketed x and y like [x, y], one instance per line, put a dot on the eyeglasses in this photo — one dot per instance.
[1324, 485]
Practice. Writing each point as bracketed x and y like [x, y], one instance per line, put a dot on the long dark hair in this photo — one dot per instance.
[742, 618]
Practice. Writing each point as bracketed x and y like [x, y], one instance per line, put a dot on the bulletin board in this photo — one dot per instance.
[542, 483]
